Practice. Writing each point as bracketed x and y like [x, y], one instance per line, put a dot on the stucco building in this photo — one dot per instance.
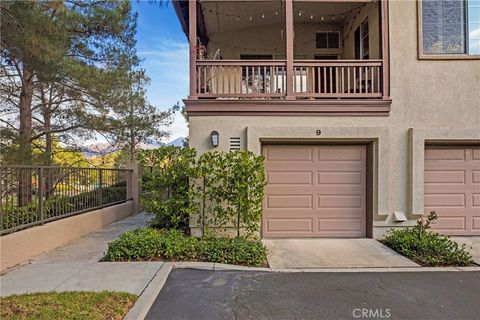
[367, 112]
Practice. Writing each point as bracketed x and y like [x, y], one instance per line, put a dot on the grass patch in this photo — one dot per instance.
[152, 244]
[67, 305]
[426, 247]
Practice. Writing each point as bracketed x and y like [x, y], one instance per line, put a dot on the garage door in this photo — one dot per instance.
[452, 189]
[314, 191]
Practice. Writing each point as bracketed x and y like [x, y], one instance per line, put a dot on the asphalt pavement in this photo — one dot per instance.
[204, 294]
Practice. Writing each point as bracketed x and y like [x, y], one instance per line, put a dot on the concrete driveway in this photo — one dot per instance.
[472, 244]
[241, 295]
[332, 253]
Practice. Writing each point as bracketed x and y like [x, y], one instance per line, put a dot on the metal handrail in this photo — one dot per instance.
[34, 195]
[29, 166]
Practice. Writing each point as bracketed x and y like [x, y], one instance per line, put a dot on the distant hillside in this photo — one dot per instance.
[97, 149]
[179, 142]
[103, 148]
[150, 144]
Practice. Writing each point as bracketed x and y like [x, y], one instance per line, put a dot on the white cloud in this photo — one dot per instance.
[166, 62]
[178, 128]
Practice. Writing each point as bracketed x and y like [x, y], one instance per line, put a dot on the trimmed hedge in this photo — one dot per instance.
[152, 244]
[426, 247]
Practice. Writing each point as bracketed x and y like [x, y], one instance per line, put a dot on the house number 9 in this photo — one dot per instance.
[318, 132]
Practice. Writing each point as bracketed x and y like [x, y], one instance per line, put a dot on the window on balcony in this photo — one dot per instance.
[328, 40]
[362, 41]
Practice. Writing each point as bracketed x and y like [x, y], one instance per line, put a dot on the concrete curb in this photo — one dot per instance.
[385, 270]
[149, 294]
[223, 266]
[194, 265]
[215, 266]
[226, 267]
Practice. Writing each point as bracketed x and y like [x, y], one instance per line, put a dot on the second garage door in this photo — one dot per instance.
[315, 191]
[452, 189]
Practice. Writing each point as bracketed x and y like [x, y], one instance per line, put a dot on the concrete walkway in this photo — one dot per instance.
[332, 253]
[76, 266]
[472, 244]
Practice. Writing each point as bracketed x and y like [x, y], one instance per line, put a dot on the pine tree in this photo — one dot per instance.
[69, 48]
[55, 54]
[133, 119]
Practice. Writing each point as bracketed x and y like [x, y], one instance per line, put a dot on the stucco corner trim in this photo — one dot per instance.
[418, 138]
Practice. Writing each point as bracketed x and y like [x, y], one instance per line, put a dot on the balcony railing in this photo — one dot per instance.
[311, 79]
[338, 78]
[241, 78]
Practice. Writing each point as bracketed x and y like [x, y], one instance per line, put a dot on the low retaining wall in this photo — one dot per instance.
[26, 244]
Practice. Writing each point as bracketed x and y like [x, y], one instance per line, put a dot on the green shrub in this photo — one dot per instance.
[140, 244]
[427, 247]
[230, 188]
[17, 216]
[166, 188]
[153, 244]
[234, 251]
[59, 205]
[224, 188]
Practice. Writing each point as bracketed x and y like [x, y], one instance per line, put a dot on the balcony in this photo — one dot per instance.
[241, 79]
[312, 79]
[287, 57]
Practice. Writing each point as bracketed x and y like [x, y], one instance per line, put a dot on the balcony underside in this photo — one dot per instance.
[283, 107]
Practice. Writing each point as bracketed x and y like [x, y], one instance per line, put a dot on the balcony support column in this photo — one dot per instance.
[385, 36]
[289, 38]
[192, 39]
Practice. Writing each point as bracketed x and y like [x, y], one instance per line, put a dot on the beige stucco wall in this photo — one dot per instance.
[440, 97]
[26, 244]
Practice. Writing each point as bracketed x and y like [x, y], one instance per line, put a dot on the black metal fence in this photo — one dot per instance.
[33, 195]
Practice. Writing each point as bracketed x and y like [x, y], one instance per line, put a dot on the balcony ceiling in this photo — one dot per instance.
[222, 16]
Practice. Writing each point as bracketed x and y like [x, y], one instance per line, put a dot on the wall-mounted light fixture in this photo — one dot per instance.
[215, 138]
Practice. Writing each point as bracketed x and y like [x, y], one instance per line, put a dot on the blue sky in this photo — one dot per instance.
[164, 48]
